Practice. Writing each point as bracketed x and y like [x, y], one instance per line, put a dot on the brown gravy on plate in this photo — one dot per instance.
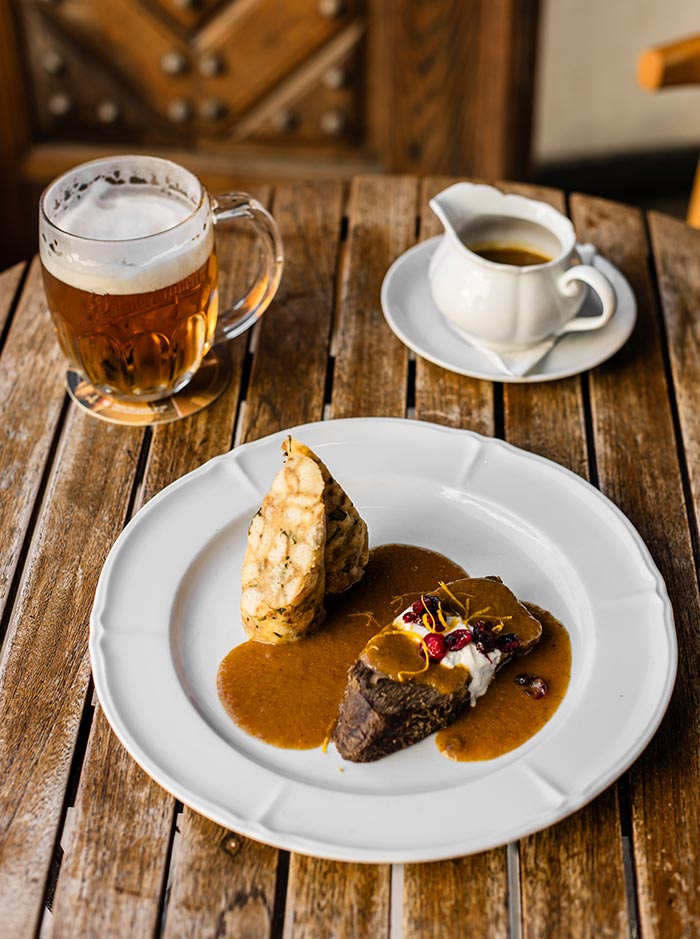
[289, 695]
[506, 716]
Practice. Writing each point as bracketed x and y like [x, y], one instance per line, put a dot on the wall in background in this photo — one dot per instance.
[588, 103]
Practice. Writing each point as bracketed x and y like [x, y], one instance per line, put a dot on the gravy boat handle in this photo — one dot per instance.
[587, 274]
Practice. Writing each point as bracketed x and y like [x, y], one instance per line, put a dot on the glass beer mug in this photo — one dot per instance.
[130, 272]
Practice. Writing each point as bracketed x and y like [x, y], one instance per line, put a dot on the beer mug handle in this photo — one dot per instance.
[246, 310]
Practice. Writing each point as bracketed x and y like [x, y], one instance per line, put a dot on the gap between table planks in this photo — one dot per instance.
[201, 899]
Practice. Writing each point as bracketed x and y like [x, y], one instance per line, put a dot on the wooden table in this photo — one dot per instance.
[89, 845]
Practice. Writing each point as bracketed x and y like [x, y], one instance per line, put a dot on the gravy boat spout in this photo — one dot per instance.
[463, 204]
[459, 205]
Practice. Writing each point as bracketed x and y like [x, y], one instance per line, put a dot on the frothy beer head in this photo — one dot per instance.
[130, 275]
[111, 228]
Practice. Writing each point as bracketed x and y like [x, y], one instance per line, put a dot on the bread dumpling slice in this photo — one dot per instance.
[347, 541]
[283, 577]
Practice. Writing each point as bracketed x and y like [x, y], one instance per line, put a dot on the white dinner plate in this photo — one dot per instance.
[411, 313]
[166, 613]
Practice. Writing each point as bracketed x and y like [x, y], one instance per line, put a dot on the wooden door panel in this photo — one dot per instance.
[123, 68]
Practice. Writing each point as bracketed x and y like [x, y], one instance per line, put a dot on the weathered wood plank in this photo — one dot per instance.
[112, 875]
[32, 393]
[9, 284]
[547, 194]
[97, 894]
[549, 421]
[677, 261]
[371, 364]
[638, 468]
[441, 396]
[464, 897]
[572, 876]
[292, 354]
[346, 901]
[45, 671]
[224, 884]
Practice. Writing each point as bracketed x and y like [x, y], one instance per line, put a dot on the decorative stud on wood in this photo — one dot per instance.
[212, 109]
[334, 78]
[210, 65]
[108, 111]
[333, 123]
[60, 104]
[179, 110]
[53, 62]
[330, 9]
[282, 121]
[173, 62]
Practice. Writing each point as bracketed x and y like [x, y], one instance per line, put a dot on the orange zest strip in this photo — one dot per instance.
[370, 618]
[392, 631]
[328, 738]
[479, 613]
[427, 618]
[441, 617]
[452, 596]
[401, 597]
[402, 676]
[468, 617]
[409, 634]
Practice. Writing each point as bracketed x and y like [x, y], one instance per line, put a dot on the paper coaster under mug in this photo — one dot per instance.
[208, 384]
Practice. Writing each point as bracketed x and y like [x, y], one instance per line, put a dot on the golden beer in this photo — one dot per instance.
[138, 346]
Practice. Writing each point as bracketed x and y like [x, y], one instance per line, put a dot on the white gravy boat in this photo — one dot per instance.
[504, 305]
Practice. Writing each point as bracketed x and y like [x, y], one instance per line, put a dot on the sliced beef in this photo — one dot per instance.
[379, 716]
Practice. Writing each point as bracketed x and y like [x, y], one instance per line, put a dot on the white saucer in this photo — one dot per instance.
[411, 313]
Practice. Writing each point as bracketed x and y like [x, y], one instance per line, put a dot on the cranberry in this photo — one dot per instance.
[533, 685]
[508, 642]
[436, 646]
[483, 637]
[458, 639]
[428, 603]
[410, 617]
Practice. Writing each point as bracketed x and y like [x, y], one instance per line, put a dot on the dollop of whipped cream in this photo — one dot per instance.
[481, 665]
